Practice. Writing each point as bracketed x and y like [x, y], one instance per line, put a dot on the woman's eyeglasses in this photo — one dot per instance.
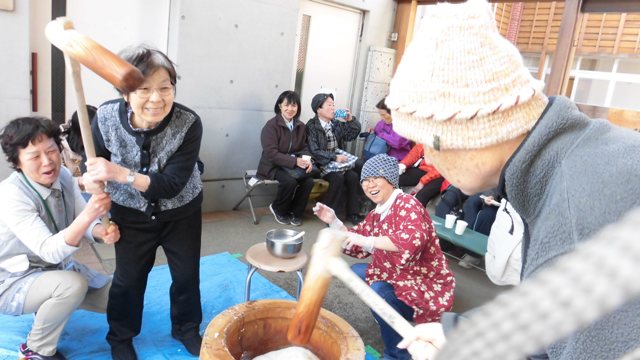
[371, 180]
[145, 92]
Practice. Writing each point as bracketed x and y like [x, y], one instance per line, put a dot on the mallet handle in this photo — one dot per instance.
[83, 116]
[94, 56]
[316, 285]
[340, 269]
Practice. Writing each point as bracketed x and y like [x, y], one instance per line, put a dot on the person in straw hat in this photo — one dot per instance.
[463, 92]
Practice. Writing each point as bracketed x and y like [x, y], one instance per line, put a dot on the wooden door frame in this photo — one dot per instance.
[563, 56]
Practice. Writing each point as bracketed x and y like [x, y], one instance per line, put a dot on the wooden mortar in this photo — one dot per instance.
[255, 328]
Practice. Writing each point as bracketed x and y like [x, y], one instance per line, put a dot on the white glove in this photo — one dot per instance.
[365, 242]
[327, 215]
[426, 341]
[402, 168]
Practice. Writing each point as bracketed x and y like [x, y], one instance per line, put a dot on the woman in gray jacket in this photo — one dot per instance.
[43, 220]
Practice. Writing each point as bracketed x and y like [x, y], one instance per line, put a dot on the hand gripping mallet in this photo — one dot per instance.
[325, 262]
[80, 49]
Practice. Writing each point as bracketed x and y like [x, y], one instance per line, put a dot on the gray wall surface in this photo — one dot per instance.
[15, 64]
[233, 64]
[234, 59]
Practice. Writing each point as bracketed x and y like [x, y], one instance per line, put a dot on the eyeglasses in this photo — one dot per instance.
[372, 180]
[145, 92]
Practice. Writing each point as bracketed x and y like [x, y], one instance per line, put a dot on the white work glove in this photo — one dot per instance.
[402, 168]
[365, 242]
[426, 342]
[327, 215]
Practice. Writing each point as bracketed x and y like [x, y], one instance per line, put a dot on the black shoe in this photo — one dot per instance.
[123, 350]
[355, 219]
[295, 221]
[191, 340]
[280, 219]
[28, 354]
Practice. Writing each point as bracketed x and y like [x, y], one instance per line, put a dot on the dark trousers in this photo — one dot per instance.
[390, 337]
[479, 215]
[135, 255]
[293, 194]
[344, 192]
[412, 176]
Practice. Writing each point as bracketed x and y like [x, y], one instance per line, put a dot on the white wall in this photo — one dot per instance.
[115, 24]
[40, 17]
[377, 27]
[15, 64]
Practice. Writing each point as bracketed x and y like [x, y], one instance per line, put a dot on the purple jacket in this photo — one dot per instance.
[398, 146]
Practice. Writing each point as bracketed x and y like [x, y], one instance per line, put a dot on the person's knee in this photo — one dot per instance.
[288, 183]
[384, 289]
[72, 286]
[360, 269]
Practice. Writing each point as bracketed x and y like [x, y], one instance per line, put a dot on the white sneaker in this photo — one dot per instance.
[469, 261]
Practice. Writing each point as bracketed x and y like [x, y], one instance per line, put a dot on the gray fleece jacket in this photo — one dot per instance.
[570, 177]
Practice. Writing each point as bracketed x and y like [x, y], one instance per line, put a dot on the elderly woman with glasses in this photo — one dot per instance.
[325, 136]
[148, 149]
[408, 268]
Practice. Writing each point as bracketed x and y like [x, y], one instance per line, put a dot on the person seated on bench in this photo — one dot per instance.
[326, 137]
[425, 179]
[408, 268]
[43, 221]
[478, 210]
[399, 146]
[284, 143]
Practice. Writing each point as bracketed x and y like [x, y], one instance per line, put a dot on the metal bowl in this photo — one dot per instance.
[280, 245]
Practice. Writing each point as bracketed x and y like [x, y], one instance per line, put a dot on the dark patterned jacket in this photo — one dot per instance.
[317, 139]
[168, 154]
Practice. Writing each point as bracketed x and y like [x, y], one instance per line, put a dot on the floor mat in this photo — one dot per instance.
[221, 283]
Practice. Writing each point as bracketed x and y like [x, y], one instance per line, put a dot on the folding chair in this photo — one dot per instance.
[250, 183]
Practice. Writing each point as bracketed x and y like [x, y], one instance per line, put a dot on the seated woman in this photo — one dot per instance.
[398, 146]
[325, 136]
[43, 220]
[284, 142]
[425, 179]
[478, 210]
[408, 268]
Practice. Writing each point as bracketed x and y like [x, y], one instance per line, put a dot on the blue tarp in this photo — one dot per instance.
[222, 280]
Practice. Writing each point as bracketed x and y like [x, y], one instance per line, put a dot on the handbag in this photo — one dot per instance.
[338, 166]
[373, 146]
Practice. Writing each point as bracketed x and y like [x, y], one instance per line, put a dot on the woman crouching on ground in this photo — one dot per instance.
[408, 268]
[43, 220]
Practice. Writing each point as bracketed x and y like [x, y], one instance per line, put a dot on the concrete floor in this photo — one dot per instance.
[234, 232]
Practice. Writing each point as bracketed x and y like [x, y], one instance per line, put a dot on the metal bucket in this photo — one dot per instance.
[279, 243]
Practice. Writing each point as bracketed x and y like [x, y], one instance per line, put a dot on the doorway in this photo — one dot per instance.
[326, 53]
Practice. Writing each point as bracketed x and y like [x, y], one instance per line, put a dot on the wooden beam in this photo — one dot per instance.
[404, 24]
[563, 56]
[429, 2]
[596, 6]
[609, 6]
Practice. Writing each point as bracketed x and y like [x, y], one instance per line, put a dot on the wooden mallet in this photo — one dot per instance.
[325, 262]
[80, 49]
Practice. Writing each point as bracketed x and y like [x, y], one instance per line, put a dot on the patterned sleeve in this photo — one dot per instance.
[412, 233]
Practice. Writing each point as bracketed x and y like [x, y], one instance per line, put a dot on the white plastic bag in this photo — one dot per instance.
[503, 260]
